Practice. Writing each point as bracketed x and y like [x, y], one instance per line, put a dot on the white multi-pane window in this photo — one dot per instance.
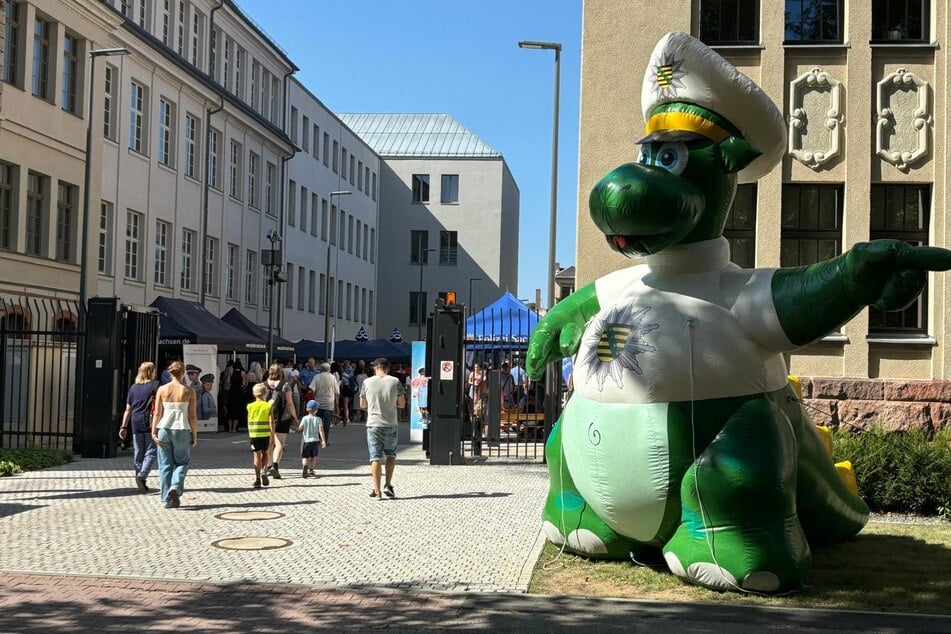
[265, 92]
[197, 29]
[11, 43]
[180, 28]
[211, 257]
[137, 105]
[109, 104]
[191, 146]
[41, 59]
[104, 255]
[167, 22]
[160, 264]
[65, 222]
[231, 269]
[255, 85]
[275, 99]
[188, 260]
[292, 203]
[214, 158]
[239, 72]
[144, 12]
[133, 237]
[125, 8]
[70, 74]
[270, 192]
[213, 38]
[254, 162]
[226, 62]
[251, 278]
[234, 167]
[166, 133]
[35, 216]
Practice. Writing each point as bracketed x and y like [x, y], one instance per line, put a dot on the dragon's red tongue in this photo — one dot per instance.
[620, 241]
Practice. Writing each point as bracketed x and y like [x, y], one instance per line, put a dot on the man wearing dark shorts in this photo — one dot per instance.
[382, 396]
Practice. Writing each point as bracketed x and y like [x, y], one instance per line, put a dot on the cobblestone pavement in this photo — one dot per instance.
[456, 528]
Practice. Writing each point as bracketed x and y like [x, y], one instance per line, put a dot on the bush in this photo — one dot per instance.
[31, 458]
[899, 472]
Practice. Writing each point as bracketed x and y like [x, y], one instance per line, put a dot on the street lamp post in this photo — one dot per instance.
[553, 46]
[273, 278]
[328, 292]
[423, 258]
[471, 280]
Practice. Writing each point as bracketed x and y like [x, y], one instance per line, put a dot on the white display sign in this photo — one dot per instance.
[445, 370]
[202, 375]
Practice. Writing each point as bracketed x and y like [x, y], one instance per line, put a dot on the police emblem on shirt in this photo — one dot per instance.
[613, 342]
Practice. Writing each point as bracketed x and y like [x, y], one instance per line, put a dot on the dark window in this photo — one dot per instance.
[70, 73]
[35, 213]
[814, 21]
[65, 221]
[11, 44]
[418, 244]
[449, 189]
[7, 207]
[420, 188]
[811, 225]
[41, 59]
[417, 308]
[900, 212]
[740, 228]
[900, 20]
[729, 21]
[448, 247]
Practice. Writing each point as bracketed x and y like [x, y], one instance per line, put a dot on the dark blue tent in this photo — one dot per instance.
[355, 350]
[309, 348]
[505, 321]
[240, 321]
[188, 322]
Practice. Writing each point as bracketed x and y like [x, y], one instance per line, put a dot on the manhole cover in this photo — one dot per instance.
[247, 516]
[252, 543]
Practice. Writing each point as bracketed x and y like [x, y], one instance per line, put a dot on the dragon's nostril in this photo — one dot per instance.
[626, 187]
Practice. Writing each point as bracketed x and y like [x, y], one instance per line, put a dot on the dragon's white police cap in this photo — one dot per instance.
[683, 69]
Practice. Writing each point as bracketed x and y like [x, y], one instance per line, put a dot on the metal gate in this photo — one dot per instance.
[38, 341]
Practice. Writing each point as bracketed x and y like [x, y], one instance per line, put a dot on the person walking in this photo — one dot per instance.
[285, 414]
[138, 416]
[261, 433]
[175, 432]
[237, 408]
[312, 440]
[382, 396]
[326, 392]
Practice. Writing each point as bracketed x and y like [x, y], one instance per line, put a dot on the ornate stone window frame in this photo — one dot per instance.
[902, 158]
[815, 79]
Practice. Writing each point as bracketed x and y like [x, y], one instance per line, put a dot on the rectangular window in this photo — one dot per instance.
[303, 209]
[166, 136]
[336, 158]
[167, 23]
[266, 288]
[255, 85]
[41, 59]
[352, 168]
[226, 62]
[448, 247]
[294, 125]
[315, 146]
[372, 247]
[366, 181]
[180, 24]
[213, 159]
[7, 209]
[234, 167]
[251, 279]
[198, 27]
[343, 166]
[137, 117]
[323, 219]
[239, 55]
[326, 150]
[370, 310]
[363, 305]
[160, 275]
[340, 298]
[366, 242]
[322, 298]
[104, 254]
[420, 188]
[811, 224]
[253, 174]
[300, 287]
[108, 107]
[231, 266]
[70, 73]
[360, 175]
[276, 103]
[330, 297]
[901, 20]
[449, 189]
[133, 226]
[143, 17]
[349, 234]
[11, 43]
[312, 292]
[809, 21]
[191, 146]
[65, 222]
[188, 260]
[125, 8]
[729, 21]
[359, 237]
[314, 211]
[373, 191]
[333, 224]
[418, 247]
[901, 212]
[417, 308]
[211, 257]
[292, 203]
[270, 192]
[305, 134]
[35, 213]
[213, 38]
[342, 225]
[349, 297]
[740, 229]
[265, 92]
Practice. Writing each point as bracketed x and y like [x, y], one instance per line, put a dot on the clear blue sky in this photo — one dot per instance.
[460, 57]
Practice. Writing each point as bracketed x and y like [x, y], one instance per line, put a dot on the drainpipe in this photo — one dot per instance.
[206, 185]
[282, 219]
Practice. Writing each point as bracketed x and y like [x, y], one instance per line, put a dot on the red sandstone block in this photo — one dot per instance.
[847, 389]
[939, 391]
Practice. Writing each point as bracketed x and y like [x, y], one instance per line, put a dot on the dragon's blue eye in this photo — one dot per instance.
[644, 157]
[672, 157]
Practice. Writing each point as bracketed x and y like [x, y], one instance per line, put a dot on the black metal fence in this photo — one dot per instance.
[38, 348]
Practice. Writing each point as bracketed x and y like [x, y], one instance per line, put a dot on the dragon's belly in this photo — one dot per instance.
[618, 456]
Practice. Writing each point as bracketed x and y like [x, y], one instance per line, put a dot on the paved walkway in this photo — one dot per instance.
[450, 528]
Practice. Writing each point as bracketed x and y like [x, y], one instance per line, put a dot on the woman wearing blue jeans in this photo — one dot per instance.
[138, 416]
[175, 432]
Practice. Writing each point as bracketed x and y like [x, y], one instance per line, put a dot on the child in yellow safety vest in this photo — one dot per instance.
[261, 432]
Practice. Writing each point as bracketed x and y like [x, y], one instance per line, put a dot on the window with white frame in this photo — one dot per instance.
[231, 267]
[214, 158]
[109, 104]
[255, 85]
[265, 92]
[125, 8]
[239, 56]
[160, 263]
[138, 104]
[187, 278]
[42, 31]
[35, 213]
[275, 99]
[144, 17]
[213, 38]
[420, 188]
[254, 173]
[180, 24]
[167, 22]
[65, 222]
[133, 244]
[104, 253]
[166, 133]
[191, 146]
[251, 278]
[292, 203]
[211, 258]
[234, 167]
[71, 70]
[293, 125]
[449, 189]
[11, 43]
[448, 247]
[226, 76]
[198, 27]
[270, 191]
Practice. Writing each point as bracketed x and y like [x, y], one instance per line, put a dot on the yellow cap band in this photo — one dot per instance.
[663, 121]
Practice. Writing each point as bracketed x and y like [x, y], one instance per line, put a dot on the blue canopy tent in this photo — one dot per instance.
[185, 322]
[238, 319]
[505, 323]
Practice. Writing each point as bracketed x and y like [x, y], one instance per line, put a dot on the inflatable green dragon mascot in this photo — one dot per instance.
[683, 438]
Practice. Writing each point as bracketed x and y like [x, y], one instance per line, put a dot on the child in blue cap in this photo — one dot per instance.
[312, 441]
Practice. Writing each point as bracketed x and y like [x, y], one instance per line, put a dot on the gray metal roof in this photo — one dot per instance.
[417, 135]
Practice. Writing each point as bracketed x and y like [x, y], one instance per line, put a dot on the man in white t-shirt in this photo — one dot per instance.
[382, 396]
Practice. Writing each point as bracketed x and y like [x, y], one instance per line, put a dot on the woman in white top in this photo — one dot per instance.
[175, 432]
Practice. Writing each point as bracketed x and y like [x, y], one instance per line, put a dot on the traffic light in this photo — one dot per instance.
[447, 298]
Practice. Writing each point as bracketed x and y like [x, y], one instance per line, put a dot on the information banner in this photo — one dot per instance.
[202, 375]
[419, 392]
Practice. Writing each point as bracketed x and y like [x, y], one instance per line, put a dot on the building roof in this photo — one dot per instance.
[417, 135]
